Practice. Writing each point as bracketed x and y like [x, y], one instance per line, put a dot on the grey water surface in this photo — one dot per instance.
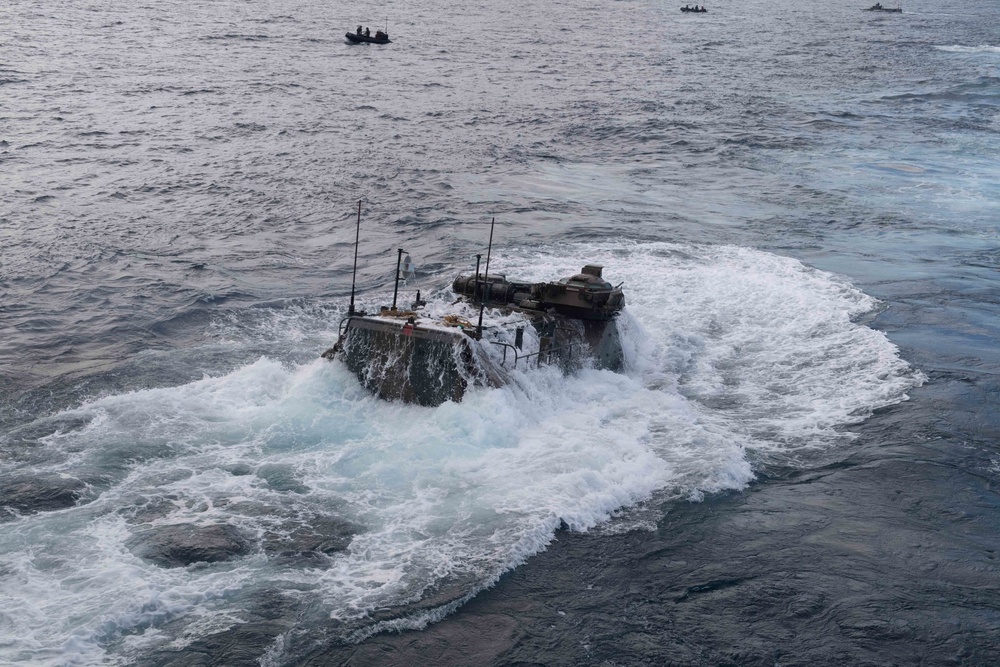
[800, 467]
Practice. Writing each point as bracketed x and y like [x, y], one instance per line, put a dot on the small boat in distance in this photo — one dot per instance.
[694, 9]
[366, 37]
[877, 7]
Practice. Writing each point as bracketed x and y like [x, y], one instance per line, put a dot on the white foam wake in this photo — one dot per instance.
[957, 48]
[729, 350]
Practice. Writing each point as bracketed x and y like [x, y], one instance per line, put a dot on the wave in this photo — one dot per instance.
[734, 354]
[957, 48]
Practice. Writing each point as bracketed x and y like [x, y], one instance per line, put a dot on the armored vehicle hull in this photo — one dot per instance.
[414, 357]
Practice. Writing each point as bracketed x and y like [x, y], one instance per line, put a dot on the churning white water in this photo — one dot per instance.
[731, 352]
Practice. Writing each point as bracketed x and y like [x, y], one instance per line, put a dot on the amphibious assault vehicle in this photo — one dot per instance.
[429, 356]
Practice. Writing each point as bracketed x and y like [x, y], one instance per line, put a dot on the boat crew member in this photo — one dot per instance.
[368, 33]
[359, 30]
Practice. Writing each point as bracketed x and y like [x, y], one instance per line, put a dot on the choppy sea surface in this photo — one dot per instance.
[803, 207]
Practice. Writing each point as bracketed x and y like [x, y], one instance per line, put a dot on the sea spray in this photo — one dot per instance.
[730, 351]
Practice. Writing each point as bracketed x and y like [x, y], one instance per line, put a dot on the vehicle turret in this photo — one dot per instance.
[586, 295]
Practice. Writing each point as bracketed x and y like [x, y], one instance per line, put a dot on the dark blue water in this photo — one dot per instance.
[799, 467]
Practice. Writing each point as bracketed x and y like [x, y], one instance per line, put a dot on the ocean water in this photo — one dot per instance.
[802, 206]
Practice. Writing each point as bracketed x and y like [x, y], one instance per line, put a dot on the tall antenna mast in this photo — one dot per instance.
[357, 238]
[486, 284]
[395, 289]
[489, 248]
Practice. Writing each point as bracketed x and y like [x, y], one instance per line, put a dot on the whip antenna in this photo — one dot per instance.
[354, 273]
[395, 289]
[489, 249]
[486, 284]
